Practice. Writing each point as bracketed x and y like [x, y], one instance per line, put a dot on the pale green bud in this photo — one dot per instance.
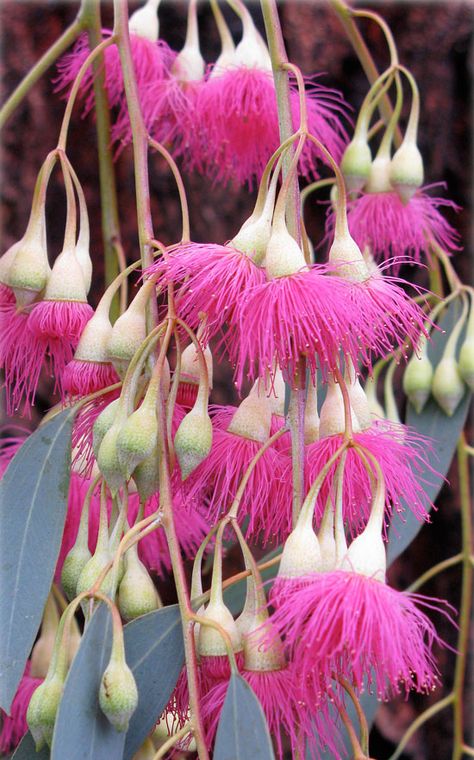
[137, 594]
[301, 553]
[118, 694]
[103, 423]
[283, 255]
[146, 475]
[41, 713]
[406, 170]
[210, 641]
[108, 461]
[28, 273]
[417, 380]
[356, 163]
[466, 362]
[91, 572]
[193, 441]
[75, 562]
[448, 387]
[137, 438]
[346, 255]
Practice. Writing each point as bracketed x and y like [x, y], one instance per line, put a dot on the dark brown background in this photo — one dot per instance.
[434, 41]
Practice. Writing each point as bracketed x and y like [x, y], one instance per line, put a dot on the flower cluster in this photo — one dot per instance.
[308, 460]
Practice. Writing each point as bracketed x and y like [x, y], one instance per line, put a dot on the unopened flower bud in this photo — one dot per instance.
[91, 571]
[379, 176]
[448, 387]
[75, 562]
[193, 440]
[107, 458]
[406, 170]
[283, 255]
[136, 594]
[332, 419]
[29, 271]
[466, 362]
[146, 475]
[103, 423]
[210, 641]
[118, 694]
[301, 553]
[253, 417]
[41, 713]
[190, 374]
[417, 380]
[137, 437]
[355, 164]
[129, 331]
[347, 257]
[144, 21]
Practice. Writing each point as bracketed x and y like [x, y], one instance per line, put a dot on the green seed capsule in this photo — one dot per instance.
[118, 695]
[417, 381]
[193, 441]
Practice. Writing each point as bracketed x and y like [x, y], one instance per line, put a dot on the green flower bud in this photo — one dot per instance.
[103, 423]
[448, 386]
[137, 594]
[146, 475]
[118, 695]
[356, 163]
[41, 713]
[137, 437]
[417, 380]
[466, 362]
[210, 641]
[193, 440]
[91, 572]
[75, 562]
[406, 170]
[108, 461]
[128, 333]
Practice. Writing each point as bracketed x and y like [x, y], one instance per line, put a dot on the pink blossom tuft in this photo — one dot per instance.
[394, 230]
[402, 456]
[220, 474]
[360, 628]
[59, 320]
[216, 277]
[82, 377]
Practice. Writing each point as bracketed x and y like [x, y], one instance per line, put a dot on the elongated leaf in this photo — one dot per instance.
[154, 649]
[242, 732]
[26, 750]
[444, 431]
[33, 502]
[82, 732]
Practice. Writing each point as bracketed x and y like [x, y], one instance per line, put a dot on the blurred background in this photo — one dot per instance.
[435, 41]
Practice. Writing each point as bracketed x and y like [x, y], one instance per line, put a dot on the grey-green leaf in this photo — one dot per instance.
[242, 732]
[26, 750]
[82, 732]
[154, 650]
[33, 503]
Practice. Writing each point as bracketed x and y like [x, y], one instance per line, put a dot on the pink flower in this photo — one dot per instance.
[307, 314]
[237, 118]
[14, 726]
[221, 472]
[397, 231]
[216, 277]
[401, 454]
[358, 627]
[21, 357]
[82, 377]
[151, 60]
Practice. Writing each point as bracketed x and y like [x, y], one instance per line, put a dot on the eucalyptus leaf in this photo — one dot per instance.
[242, 732]
[33, 504]
[26, 750]
[82, 732]
[154, 649]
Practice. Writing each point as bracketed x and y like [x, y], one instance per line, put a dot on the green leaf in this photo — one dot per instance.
[82, 732]
[33, 503]
[26, 750]
[444, 431]
[242, 732]
[154, 650]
